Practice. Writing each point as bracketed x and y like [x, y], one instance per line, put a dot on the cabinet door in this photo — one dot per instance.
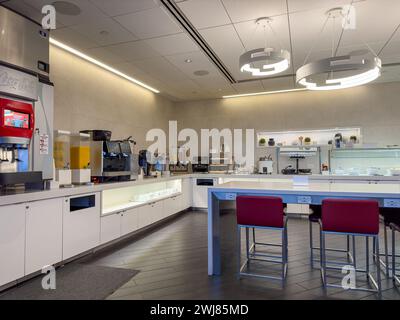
[157, 211]
[129, 221]
[200, 195]
[110, 227]
[43, 234]
[12, 243]
[187, 193]
[81, 227]
[178, 204]
[151, 213]
[169, 207]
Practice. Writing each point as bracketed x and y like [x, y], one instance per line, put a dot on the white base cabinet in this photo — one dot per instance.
[200, 193]
[12, 243]
[43, 243]
[129, 221]
[110, 227]
[81, 224]
[150, 213]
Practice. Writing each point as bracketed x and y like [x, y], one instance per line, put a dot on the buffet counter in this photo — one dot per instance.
[54, 226]
[21, 197]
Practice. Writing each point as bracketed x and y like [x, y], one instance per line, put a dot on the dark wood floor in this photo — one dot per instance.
[172, 260]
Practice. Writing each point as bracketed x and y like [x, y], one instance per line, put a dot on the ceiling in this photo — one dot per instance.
[142, 39]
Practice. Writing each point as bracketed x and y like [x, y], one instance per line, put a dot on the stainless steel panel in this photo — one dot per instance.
[17, 83]
[96, 158]
[23, 43]
[44, 113]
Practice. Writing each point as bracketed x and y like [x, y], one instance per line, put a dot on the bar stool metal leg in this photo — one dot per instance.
[311, 245]
[396, 279]
[387, 268]
[239, 249]
[367, 255]
[378, 271]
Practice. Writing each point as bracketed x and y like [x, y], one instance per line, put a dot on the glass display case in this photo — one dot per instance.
[129, 197]
[365, 161]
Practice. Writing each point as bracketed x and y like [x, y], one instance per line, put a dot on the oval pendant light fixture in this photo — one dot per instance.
[339, 72]
[264, 61]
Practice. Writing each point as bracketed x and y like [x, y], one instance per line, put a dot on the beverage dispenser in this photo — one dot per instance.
[80, 158]
[62, 157]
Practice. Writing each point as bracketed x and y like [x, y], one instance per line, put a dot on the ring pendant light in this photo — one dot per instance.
[264, 61]
[339, 72]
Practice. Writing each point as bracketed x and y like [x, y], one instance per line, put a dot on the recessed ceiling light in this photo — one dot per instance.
[188, 60]
[66, 8]
[201, 73]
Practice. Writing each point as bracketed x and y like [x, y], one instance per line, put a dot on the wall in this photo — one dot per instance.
[88, 97]
[375, 108]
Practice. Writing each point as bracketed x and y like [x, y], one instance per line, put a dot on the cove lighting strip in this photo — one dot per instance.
[100, 64]
[262, 93]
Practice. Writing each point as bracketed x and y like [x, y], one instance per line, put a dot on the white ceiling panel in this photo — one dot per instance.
[283, 83]
[226, 44]
[131, 51]
[199, 62]
[197, 10]
[304, 5]
[254, 36]
[104, 55]
[150, 23]
[105, 32]
[366, 30]
[89, 13]
[240, 10]
[120, 7]
[173, 44]
[248, 87]
[161, 69]
[73, 38]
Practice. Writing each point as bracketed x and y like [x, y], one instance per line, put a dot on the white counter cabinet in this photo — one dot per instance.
[110, 227]
[200, 191]
[129, 221]
[151, 213]
[12, 243]
[43, 243]
[81, 224]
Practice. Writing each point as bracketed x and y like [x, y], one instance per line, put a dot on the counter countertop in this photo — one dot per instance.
[20, 197]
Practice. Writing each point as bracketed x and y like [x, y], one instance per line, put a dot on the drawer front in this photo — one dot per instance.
[129, 221]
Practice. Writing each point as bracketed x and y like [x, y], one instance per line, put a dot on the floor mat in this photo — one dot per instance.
[75, 281]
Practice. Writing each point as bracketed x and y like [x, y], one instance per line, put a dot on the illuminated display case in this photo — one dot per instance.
[365, 161]
[129, 197]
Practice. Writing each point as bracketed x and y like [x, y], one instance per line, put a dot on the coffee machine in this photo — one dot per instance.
[111, 160]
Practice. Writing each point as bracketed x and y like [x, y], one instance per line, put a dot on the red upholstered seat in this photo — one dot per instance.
[350, 216]
[260, 211]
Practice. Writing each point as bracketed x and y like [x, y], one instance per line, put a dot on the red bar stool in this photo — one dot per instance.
[265, 213]
[395, 227]
[389, 216]
[314, 218]
[351, 218]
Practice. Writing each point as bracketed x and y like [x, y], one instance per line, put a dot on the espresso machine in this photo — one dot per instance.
[111, 160]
